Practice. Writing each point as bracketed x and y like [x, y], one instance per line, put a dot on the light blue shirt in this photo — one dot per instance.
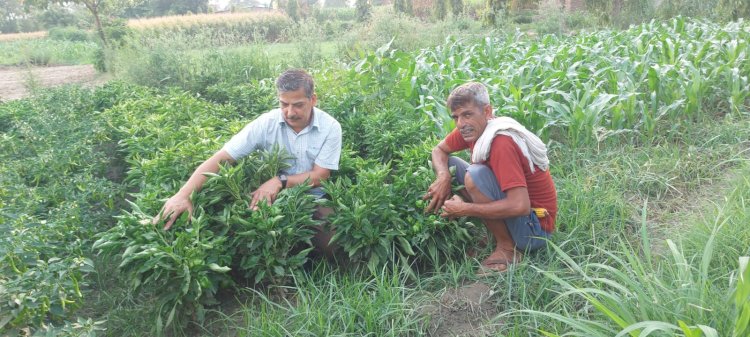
[318, 143]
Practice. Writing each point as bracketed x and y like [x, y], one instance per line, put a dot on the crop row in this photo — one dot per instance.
[63, 180]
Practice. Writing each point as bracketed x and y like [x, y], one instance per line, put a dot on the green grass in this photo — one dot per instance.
[629, 256]
[47, 52]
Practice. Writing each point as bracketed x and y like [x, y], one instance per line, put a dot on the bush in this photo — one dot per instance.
[40, 57]
[68, 34]
[116, 30]
[327, 14]
[159, 66]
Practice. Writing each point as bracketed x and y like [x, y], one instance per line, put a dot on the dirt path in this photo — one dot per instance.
[16, 81]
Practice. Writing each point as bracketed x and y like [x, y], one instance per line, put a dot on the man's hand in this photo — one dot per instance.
[438, 192]
[454, 207]
[266, 192]
[172, 209]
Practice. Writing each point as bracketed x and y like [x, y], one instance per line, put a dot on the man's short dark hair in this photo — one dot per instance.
[468, 93]
[295, 79]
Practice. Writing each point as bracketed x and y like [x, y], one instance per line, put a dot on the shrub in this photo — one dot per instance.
[68, 34]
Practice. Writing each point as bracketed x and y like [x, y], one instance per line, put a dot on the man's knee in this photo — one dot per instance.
[469, 182]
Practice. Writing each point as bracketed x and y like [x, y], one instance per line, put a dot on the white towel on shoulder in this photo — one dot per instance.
[531, 146]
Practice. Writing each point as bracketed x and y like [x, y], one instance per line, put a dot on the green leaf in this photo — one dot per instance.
[215, 267]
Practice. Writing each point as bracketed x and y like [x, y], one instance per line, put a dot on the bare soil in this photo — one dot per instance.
[466, 311]
[15, 82]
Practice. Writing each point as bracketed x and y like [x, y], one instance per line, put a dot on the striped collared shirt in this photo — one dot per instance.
[318, 143]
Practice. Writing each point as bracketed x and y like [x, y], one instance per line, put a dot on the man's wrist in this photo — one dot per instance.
[282, 180]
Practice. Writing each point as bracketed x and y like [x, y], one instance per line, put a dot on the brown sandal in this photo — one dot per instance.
[486, 270]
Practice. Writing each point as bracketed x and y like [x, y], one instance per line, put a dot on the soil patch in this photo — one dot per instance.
[15, 82]
[466, 311]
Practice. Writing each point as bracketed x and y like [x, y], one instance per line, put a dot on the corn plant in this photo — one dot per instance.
[637, 295]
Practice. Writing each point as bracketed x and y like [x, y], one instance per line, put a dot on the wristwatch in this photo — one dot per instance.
[283, 179]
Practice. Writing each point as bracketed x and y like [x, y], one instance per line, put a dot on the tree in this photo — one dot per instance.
[363, 10]
[440, 8]
[735, 9]
[292, 9]
[457, 7]
[95, 7]
[10, 12]
[494, 8]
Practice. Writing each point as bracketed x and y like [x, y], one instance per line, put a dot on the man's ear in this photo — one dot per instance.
[314, 99]
[488, 111]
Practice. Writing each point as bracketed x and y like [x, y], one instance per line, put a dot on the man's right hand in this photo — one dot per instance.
[438, 192]
[172, 209]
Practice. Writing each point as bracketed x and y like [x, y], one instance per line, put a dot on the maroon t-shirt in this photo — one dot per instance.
[511, 168]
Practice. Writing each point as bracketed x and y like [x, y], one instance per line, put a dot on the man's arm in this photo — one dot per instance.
[271, 188]
[440, 189]
[180, 202]
[516, 203]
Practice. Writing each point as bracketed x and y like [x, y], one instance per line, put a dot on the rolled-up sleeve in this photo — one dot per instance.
[330, 151]
[247, 140]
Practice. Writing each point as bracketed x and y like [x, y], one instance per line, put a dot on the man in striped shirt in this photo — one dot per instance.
[309, 134]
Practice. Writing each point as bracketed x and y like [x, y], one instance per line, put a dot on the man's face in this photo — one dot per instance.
[297, 108]
[471, 120]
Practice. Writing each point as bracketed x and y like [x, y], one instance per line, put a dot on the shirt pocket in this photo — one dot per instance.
[312, 152]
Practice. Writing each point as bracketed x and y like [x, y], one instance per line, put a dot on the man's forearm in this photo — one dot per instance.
[440, 162]
[315, 176]
[197, 179]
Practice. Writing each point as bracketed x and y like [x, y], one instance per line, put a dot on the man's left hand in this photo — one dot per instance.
[266, 192]
[453, 207]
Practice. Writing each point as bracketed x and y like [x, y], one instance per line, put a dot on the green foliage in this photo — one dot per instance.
[380, 305]
[494, 13]
[292, 9]
[39, 57]
[47, 50]
[158, 65]
[440, 9]
[116, 31]
[307, 38]
[185, 267]
[734, 9]
[57, 16]
[65, 153]
[57, 189]
[600, 98]
[457, 7]
[364, 10]
[151, 8]
[742, 299]
[216, 33]
[401, 6]
[328, 13]
[635, 293]
[379, 217]
[68, 34]
[250, 99]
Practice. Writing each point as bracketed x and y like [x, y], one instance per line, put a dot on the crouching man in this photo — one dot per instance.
[507, 185]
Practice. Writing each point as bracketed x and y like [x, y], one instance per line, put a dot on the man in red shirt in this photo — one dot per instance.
[505, 189]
